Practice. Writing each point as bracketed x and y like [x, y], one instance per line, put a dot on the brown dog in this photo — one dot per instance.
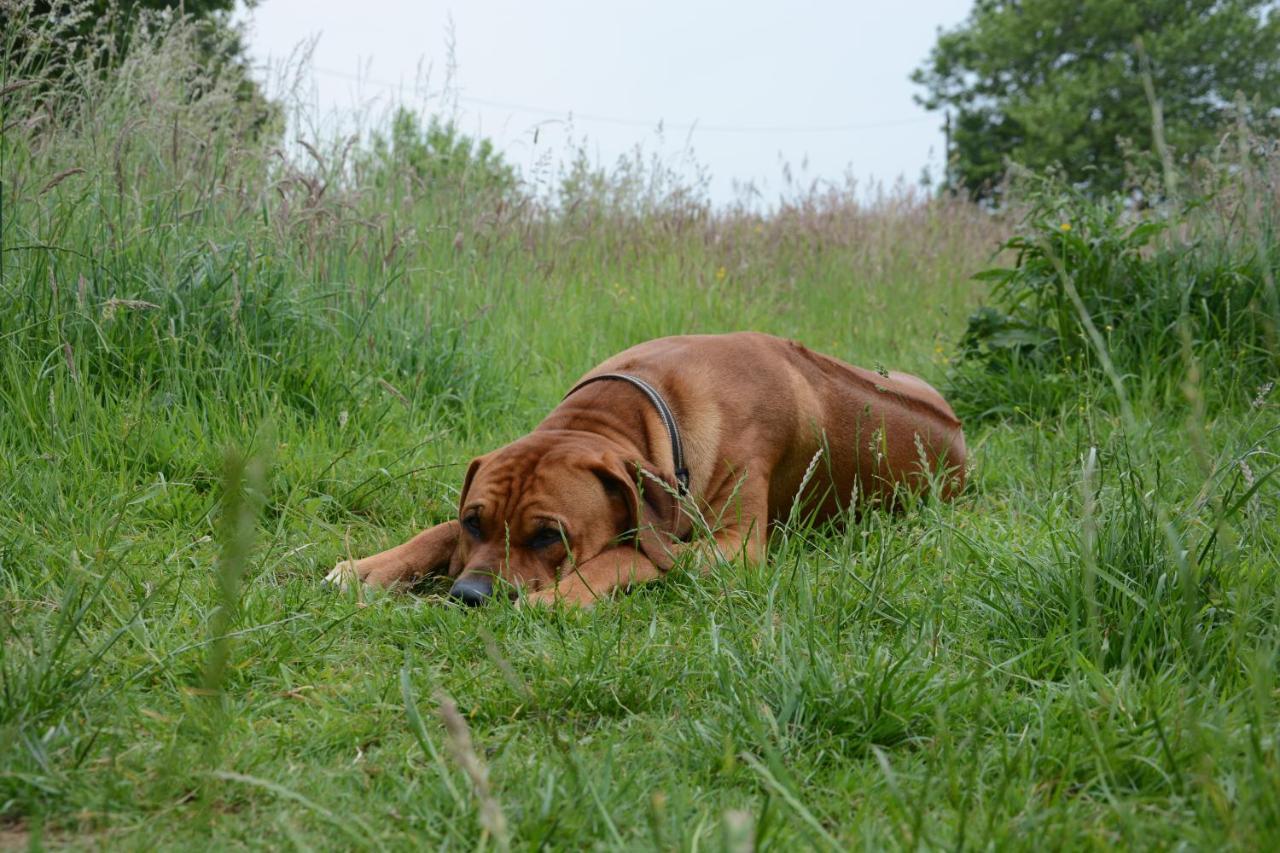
[594, 498]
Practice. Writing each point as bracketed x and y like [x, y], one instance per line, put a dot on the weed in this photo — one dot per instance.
[1145, 279]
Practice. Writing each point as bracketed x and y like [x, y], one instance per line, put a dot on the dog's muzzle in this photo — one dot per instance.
[472, 590]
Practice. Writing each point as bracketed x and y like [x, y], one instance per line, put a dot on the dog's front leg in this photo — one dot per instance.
[731, 544]
[617, 568]
[625, 567]
[740, 532]
[430, 552]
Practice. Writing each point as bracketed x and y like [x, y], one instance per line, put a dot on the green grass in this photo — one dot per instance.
[216, 381]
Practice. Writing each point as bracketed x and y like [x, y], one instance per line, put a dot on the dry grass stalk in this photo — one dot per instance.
[458, 737]
[59, 178]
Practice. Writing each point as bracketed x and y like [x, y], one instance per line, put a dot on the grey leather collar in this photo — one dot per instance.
[664, 412]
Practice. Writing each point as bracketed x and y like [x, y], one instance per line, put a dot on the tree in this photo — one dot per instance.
[66, 24]
[54, 40]
[1043, 82]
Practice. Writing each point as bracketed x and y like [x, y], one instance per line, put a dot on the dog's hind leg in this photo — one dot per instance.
[430, 552]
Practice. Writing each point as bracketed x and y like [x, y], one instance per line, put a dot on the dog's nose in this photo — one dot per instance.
[472, 590]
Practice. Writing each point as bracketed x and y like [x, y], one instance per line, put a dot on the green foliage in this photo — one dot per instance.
[1158, 301]
[438, 160]
[1144, 579]
[1053, 82]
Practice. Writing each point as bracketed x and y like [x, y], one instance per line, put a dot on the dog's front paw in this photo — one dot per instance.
[541, 600]
[346, 574]
[549, 598]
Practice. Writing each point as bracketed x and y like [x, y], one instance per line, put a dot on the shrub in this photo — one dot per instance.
[436, 161]
[1158, 288]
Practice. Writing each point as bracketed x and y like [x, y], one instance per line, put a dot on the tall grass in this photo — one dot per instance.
[1080, 651]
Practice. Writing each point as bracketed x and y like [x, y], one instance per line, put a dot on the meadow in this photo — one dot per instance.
[227, 362]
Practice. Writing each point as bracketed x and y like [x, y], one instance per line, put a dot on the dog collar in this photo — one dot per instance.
[664, 413]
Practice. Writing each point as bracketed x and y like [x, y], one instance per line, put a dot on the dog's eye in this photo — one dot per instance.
[471, 524]
[545, 538]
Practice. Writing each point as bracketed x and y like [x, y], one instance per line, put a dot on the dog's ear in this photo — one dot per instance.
[466, 482]
[455, 556]
[651, 507]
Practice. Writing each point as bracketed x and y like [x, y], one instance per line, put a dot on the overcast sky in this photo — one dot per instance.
[746, 85]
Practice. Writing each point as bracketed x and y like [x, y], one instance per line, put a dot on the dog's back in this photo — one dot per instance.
[737, 393]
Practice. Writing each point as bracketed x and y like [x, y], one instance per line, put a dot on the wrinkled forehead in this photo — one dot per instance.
[519, 484]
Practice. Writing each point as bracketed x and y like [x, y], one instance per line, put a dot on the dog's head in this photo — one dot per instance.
[536, 508]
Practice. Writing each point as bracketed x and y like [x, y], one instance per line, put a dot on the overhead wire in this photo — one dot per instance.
[547, 112]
